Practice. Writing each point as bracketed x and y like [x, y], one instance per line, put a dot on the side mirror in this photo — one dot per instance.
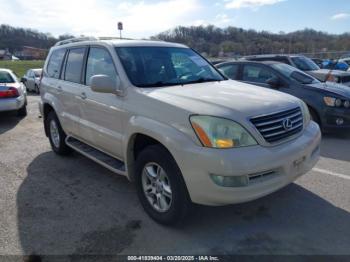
[23, 80]
[105, 84]
[274, 82]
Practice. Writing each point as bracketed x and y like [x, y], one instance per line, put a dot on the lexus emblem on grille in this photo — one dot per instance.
[287, 124]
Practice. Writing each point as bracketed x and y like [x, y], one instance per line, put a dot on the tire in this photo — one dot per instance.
[36, 89]
[22, 112]
[314, 116]
[56, 135]
[176, 207]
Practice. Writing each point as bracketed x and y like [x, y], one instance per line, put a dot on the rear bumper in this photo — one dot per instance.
[12, 104]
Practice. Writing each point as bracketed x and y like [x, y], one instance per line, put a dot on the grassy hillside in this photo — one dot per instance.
[20, 67]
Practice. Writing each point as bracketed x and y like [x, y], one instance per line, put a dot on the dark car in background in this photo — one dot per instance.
[329, 103]
[305, 64]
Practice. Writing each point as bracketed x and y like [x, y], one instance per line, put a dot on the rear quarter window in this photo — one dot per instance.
[230, 71]
[55, 62]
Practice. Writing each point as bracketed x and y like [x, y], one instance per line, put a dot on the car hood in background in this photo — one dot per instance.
[321, 74]
[334, 88]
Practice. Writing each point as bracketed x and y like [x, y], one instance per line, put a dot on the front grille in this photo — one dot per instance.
[279, 126]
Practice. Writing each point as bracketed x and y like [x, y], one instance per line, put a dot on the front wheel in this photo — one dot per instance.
[160, 186]
[56, 135]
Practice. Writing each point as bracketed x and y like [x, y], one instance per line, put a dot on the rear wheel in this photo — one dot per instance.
[56, 135]
[160, 186]
[22, 112]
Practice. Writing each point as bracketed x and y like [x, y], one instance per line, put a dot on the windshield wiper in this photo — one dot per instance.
[158, 84]
[201, 80]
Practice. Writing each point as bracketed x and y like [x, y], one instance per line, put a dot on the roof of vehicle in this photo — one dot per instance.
[115, 42]
[272, 55]
[6, 70]
[250, 62]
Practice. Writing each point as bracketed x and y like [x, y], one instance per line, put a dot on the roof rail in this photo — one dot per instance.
[74, 40]
[112, 38]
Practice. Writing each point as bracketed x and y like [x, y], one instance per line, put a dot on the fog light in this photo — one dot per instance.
[347, 104]
[230, 181]
[339, 121]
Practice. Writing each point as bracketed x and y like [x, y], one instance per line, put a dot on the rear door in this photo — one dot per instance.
[101, 113]
[71, 90]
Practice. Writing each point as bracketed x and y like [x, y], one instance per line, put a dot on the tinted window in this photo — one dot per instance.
[6, 77]
[74, 65]
[229, 70]
[99, 63]
[165, 66]
[304, 63]
[55, 62]
[295, 74]
[37, 73]
[257, 74]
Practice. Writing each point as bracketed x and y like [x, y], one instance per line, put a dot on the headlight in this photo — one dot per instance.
[347, 104]
[306, 113]
[217, 132]
[336, 102]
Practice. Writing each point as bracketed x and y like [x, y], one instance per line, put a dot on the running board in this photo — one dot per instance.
[96, 155]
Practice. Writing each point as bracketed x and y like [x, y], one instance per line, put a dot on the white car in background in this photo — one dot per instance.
[13, 94]
[32, 80]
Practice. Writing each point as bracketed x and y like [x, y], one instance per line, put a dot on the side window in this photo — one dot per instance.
[230, 71]
[74, 65]
[99, 63]
[55, 62]
[257, 74]
[282, 60]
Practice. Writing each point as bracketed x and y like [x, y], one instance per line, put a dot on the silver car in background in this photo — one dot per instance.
[32, 80]
[13, 94]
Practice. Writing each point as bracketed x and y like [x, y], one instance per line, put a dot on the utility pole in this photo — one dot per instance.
[120, 28]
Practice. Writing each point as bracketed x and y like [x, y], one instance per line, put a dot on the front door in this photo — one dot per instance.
[101, 113]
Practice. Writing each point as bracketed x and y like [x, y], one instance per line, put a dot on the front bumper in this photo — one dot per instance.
[330, 116]
[287, 161]
[12, 104]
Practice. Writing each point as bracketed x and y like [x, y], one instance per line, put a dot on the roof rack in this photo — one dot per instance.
[74, 40]
[89, 38]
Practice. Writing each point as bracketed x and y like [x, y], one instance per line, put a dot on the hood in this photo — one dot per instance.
[321, 74]
[223, 98]
[326, 72]
[333, 87]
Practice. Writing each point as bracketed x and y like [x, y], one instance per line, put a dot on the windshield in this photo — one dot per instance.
[165, 66]
[37, 73]
[295, 74]
[6, 77]
[305, 64]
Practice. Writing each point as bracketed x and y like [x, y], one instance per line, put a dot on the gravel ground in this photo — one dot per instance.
[70, 205]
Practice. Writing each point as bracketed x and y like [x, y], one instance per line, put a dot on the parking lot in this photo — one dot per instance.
[64, 205]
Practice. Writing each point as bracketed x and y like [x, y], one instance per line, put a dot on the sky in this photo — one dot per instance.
[144, 18]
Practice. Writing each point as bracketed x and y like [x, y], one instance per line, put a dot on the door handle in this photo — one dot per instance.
[83, 95]
[59, 89]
